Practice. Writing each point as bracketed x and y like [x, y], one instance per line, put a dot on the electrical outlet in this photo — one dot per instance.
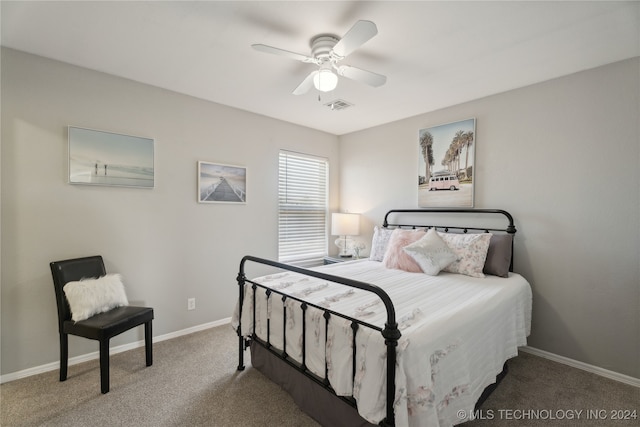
[191, 303]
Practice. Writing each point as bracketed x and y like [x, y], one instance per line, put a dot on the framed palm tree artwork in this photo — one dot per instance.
[446, 165]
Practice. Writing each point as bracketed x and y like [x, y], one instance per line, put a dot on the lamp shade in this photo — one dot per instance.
[345, 224]
[325, 80]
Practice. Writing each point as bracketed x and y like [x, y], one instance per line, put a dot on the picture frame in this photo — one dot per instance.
[110, 159]
[446, 165]
[221, 183]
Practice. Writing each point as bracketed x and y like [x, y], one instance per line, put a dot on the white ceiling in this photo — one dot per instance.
[434, 54]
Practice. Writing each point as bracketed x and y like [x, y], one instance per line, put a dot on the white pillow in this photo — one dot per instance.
[471, 250]
[88, 297]
[431, 253]
[379, 243]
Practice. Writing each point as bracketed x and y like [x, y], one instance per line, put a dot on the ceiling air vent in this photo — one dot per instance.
[338, 104]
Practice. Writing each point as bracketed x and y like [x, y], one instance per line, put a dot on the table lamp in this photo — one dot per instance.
[345, 225]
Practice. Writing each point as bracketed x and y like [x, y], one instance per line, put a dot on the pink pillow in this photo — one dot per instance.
[398, 259]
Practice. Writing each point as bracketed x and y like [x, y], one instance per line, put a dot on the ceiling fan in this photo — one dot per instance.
[326, 52]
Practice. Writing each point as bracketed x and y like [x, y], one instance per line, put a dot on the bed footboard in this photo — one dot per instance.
[390, 332]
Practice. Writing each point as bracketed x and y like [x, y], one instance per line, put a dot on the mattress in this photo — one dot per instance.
[457, 332]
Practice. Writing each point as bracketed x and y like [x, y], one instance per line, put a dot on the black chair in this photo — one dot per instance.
[101, 327]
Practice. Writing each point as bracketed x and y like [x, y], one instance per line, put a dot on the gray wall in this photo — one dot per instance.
[541, 153]
[562, 157]
[166, 245]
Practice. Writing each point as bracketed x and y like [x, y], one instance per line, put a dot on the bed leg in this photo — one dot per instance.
[391, 336]
[241, 280]
[240, 352]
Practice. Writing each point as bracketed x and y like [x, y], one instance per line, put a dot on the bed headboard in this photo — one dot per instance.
[435, 217]
[454, 220]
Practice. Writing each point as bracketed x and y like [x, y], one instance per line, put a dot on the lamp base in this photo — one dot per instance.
[345, 244]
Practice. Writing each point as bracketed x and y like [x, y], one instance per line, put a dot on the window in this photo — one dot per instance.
[302, 209]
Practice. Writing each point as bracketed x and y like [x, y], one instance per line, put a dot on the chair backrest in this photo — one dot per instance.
[70, 270]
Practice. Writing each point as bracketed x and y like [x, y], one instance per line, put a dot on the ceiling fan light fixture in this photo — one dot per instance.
[325, 80]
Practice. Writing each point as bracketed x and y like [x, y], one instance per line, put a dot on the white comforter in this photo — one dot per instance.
[457, 332]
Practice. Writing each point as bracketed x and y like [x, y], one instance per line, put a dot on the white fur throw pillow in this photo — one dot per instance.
[88, 297]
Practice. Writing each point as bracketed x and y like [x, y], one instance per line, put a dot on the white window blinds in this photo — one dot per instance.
[302, 209]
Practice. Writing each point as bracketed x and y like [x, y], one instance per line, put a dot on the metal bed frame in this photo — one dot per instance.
[390, 331]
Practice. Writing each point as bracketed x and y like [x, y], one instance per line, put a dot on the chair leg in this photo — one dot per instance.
[148, 343]
[64, 356]
[104, 366]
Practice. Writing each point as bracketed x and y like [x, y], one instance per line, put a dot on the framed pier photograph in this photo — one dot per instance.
[219, 183]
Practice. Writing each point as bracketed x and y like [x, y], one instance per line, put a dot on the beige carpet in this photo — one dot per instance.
[194, 382]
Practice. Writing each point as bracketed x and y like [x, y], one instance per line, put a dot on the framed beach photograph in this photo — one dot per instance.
[446, 165]
[106, 158]
[218, 183]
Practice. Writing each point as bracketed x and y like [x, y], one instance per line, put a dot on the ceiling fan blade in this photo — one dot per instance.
[364, 76]
[306, 84]
[282, 52]
[358, 35]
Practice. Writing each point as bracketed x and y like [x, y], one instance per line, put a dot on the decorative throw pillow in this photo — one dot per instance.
[471, 250]
[431, 253]
[88, 297]
[398, 259]
[499, 255]
[379, 243]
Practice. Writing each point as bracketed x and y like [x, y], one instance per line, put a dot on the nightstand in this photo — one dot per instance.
[333, 260]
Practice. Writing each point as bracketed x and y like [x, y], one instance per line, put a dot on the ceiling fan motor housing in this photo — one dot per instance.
[322, 45]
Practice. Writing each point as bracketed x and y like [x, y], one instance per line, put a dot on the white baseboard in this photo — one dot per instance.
[584, 366]
[119, 349]
[113, 350]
